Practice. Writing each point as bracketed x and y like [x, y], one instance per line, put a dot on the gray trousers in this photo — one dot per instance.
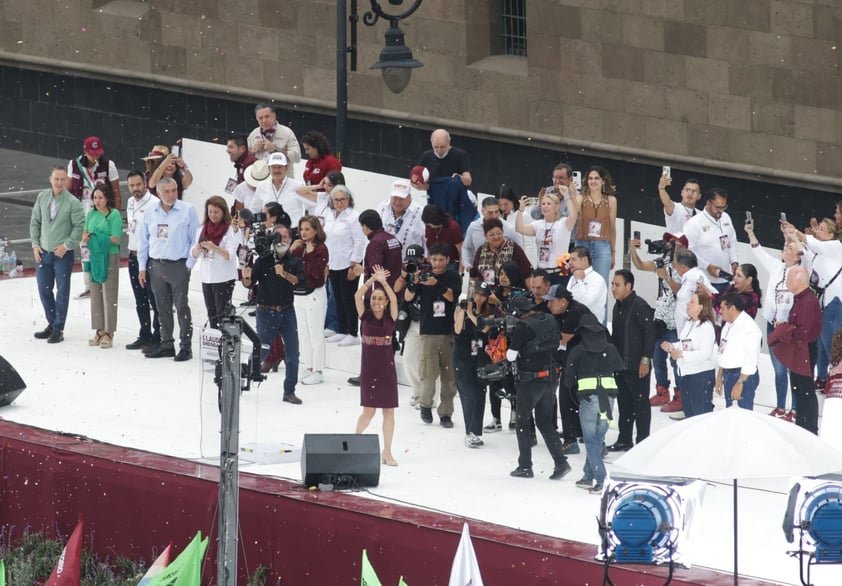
[170, 281]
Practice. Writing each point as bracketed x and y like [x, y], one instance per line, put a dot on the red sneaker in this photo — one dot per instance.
[777, 412]
[790, 416]
[662, 396]
[674, 405]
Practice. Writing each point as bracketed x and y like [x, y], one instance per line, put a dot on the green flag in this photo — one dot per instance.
[402, 582]
[369, 576]
[186, 569]
[2, 572]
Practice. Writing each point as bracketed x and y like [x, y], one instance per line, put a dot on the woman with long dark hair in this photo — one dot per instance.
[311, 297]
[216, 243]
[103, 232]
[597, 219]
[320, 161]
[469, 345]
[378, 377]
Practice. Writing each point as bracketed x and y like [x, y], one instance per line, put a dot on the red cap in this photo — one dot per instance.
[419, 174]
[93, 146]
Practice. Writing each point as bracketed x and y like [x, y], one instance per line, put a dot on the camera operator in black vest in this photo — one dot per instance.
[532, 349]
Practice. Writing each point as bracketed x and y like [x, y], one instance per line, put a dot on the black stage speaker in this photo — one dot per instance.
[11, 384]
[340, 454]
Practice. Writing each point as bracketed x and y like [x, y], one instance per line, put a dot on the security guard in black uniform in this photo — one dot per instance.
[532, 349]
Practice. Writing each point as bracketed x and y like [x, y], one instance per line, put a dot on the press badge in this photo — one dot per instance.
[163, 231]
[724, 242]
[488, 276]
[230, 185]
[686, 345]
[544, 254]
[438, 309]
[595, 229]
[783, 297]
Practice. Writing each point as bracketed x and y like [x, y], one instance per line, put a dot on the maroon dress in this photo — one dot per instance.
[378, 377]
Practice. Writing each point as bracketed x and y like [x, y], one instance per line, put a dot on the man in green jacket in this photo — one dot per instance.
[55, 228]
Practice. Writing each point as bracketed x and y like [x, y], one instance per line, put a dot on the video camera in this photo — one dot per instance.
[265, 241]
[665, 248]
[497, 371]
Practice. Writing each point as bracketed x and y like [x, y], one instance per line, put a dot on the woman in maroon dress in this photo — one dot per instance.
[378, 377]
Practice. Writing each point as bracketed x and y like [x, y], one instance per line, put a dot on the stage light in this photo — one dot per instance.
[648, 520]
[814, 509]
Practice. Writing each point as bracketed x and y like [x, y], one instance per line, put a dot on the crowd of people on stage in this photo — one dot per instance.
[531, 328]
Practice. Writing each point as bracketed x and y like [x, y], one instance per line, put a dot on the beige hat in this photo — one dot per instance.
[158, 151]
[256, 173]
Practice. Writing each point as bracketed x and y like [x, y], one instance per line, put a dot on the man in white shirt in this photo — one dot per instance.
[587, 286]
[282, 189]
[138, 204]
[475, 236]
[712, 237]
[402, 217]
[690, 278]
[245, 192]
[739, 351]
[270, 137]
[677, 214]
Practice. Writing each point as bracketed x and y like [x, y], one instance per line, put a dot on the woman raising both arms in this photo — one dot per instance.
[378, 377]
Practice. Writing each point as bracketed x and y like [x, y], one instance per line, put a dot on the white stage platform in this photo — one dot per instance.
[121, 397]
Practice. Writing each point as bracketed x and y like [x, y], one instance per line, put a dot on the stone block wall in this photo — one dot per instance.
[752, 82]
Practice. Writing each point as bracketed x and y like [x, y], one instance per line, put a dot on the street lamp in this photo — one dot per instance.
[396, 61]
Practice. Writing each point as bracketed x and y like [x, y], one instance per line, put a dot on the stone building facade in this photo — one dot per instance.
[751, 87]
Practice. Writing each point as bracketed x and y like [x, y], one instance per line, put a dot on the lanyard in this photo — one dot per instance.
[279, 191]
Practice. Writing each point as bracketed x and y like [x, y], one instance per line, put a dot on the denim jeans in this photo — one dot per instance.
[471, 391]
[594, 427]
[781, 377]
[601, 262]
[331, 320]
[269, 323]
[54, 271]
[660, 358]
[697, 392]
[729, 377]
[144, 300]
[831, 321]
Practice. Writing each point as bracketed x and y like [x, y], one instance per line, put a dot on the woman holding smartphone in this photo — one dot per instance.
[552, 232]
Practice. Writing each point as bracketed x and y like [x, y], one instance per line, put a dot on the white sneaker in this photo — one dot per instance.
[336, 338]
[472, 441]
[329, 333]
[313, 378]
[349, 341]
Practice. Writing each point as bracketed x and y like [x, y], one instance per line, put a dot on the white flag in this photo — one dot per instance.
[465, 570]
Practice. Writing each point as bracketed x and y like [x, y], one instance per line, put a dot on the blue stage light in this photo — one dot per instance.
[814, 510]
[646, 520]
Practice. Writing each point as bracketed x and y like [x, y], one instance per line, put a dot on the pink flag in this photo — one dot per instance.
[69, 565]
[157, 567]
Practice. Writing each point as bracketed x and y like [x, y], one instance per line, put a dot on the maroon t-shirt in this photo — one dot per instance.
[385, 250]
[450, 233]
[317, 169]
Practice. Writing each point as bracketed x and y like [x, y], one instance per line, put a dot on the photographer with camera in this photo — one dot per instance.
[438, 290]
[409, 319]
[275, 274]
[510, 286]
[532, 348]
[665, 330]
[469, 355]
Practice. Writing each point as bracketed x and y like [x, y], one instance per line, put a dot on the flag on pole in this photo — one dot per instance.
[186, 569]
[369, 576]
[465, 570]
[401, 582]
[69, 565]
[156, 568]
[2, 572]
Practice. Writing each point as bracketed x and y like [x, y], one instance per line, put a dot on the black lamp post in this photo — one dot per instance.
[396, 62]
